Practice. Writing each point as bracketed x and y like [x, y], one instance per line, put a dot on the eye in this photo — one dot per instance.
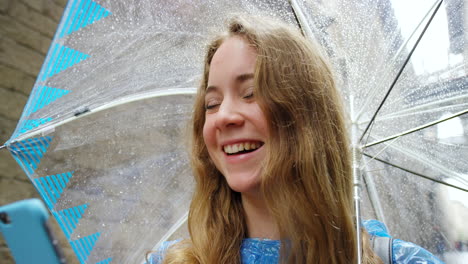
[248, 93]
[210, 106]
[212, 103]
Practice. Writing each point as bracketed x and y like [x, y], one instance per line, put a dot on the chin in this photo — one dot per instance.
[244, 186]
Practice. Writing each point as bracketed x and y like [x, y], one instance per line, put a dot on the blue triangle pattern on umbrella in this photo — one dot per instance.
[84, 246]
[68, 218]
[27, 125]
[81, 14]
[61, 58]
[51, 187]
[29, 152]
[106, 261]
[43, 96]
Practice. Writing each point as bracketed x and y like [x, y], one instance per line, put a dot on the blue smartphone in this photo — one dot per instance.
[25, 228]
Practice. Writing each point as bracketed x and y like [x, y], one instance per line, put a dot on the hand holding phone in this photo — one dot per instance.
[24, 226]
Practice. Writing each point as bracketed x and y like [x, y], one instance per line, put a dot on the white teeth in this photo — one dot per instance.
[247, 146]
[241, 147]
[234, 148]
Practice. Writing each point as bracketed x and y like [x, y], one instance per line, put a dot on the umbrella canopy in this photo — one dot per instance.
[103, 135]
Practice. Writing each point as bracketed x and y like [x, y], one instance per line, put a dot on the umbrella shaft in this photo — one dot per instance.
[356, 159]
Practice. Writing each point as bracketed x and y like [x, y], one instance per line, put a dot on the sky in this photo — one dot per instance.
[457, 195]
[431, 54]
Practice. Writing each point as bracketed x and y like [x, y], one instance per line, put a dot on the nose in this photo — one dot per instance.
[228, 115]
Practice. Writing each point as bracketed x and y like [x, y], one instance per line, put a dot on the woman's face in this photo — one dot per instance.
[235, 129]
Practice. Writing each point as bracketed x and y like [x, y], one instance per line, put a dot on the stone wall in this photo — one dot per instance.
[26, 30]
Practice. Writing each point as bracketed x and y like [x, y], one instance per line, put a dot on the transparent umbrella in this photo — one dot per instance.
[102, 137]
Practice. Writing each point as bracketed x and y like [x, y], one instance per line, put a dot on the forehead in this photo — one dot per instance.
[235, 56]
[234, 44]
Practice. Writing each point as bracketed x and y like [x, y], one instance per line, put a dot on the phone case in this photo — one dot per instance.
[26, 232]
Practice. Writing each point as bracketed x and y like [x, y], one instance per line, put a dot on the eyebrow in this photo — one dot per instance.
[240, 78]
[244, 77]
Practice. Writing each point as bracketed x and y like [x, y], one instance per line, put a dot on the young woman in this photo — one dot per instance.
[270, 156]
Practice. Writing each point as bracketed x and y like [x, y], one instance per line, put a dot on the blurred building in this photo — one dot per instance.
[456, 25]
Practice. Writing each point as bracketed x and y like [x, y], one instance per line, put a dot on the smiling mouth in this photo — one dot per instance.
[241, 148]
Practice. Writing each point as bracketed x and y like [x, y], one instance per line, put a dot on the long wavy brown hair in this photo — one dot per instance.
[306, 180]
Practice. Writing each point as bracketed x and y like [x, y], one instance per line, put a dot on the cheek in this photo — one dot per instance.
[208, 134]
[261, 121]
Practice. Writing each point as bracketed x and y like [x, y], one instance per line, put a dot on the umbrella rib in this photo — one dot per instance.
[415, 173]
[300, 17]
[295, 16]
[415, 129]
[443, 170]
[171, 231]
[401, 70]
[128, 99]
[416, 111]
[383, 149]
[446, 85]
